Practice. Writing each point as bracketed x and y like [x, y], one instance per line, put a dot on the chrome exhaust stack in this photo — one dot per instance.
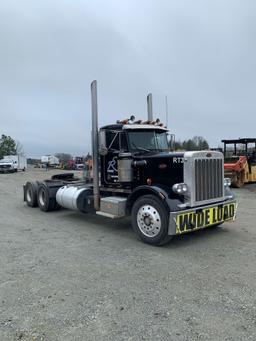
[150, 107]
[95, 146]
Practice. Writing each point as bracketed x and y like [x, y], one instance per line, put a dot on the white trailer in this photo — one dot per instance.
[13, 163]
[50, 160]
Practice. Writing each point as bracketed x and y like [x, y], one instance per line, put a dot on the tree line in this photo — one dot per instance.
[196, 143]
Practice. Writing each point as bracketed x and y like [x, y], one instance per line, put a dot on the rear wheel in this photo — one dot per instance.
[30, 193]
[46, 203]
[150, 220]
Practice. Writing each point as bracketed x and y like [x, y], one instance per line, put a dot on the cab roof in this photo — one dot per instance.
[119, 126]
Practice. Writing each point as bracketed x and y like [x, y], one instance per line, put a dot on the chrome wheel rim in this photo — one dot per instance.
[149, 221]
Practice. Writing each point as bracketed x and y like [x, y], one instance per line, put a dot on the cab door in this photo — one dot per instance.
[116, 142]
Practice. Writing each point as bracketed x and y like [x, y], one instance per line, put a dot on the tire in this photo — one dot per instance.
[46, 203]
[150, 220]
[30, 194]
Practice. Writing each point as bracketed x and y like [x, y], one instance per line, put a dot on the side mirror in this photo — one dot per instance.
[171, 142]
[103, 150]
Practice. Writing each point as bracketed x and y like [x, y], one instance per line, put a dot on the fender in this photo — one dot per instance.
[229, 194]
[170, 199]
[52, 187]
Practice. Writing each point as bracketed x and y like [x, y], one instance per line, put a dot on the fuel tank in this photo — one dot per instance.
[75, 198]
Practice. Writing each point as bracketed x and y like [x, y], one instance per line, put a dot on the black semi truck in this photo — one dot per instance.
[134, 173]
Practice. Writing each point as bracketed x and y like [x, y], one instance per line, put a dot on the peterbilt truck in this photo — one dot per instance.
[166, 193]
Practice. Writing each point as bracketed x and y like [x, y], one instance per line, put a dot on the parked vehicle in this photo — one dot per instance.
[134, 173]
[240, 160]
[50, 160]
[76, 163]
[13, 163]
[80, 166]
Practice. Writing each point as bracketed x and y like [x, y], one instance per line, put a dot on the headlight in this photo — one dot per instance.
[180, 188]
[227, 182]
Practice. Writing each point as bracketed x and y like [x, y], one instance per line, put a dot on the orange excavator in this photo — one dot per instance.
[240, 160]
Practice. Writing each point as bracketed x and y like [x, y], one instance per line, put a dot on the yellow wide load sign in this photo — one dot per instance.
[194, 220]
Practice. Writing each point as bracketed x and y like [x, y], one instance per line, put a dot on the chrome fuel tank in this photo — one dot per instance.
[74, 197]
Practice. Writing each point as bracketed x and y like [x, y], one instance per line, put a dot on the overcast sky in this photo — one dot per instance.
[201, 54]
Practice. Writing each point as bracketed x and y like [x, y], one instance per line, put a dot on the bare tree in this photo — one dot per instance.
[63, 156]
[19, 148]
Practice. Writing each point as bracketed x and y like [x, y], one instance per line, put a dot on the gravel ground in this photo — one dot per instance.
[69, 276]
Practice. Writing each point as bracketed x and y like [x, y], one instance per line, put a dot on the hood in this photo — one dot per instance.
[6, 165]
[6, 162]
[164, 168]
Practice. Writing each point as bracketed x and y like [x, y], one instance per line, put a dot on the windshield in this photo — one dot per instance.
[149, 140]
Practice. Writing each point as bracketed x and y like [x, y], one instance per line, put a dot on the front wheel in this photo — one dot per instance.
[150, 220]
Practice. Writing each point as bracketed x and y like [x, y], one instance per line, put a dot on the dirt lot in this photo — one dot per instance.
[69, 276]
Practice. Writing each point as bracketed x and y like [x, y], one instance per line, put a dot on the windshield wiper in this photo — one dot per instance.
[140, 148]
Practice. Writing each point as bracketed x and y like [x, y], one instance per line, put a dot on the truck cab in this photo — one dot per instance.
[7, 165]
[136, 164]
[124, 151]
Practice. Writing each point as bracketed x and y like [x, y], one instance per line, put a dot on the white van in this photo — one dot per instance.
[13, 163]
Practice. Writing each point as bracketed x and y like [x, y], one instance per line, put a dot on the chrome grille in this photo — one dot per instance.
[208, 179]
[204, 175]
[5, 166]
